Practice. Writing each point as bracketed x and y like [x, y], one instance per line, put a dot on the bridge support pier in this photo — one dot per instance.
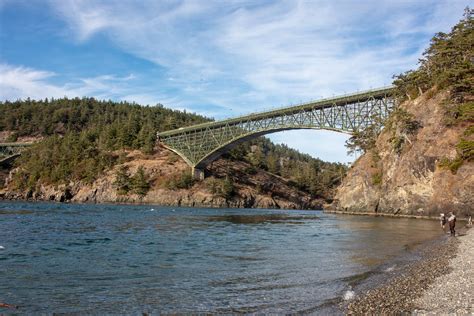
[198, 174]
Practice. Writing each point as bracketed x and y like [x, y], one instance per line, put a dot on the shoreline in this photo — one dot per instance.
[422, 283]
[459, 219]
[424, 217]
[152, 204]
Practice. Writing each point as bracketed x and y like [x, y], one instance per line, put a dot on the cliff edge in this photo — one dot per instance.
[406, 173]
[228, 184]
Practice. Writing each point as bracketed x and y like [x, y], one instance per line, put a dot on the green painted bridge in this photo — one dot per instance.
[10, 151]
[200, 144]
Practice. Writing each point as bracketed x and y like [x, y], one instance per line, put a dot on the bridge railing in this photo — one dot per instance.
[342, 97]
[305, 106]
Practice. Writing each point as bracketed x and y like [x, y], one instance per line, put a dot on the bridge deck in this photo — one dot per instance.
[307, 106]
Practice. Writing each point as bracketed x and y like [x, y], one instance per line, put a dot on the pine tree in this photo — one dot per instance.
[140, 182]
[122, 182]
[228, 189]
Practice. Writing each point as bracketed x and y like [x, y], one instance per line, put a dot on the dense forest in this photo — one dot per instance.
[82, 138]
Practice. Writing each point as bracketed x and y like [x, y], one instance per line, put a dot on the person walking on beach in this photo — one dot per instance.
[452, 223]
[442, 219]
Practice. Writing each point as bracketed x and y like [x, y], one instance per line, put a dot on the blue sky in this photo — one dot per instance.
[216, 58]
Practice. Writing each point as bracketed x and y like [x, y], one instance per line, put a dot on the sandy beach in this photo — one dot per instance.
[440, 283]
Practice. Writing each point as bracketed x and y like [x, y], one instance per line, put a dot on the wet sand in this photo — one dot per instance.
[445, 271]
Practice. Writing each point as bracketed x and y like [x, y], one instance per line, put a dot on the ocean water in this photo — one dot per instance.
[128, 259]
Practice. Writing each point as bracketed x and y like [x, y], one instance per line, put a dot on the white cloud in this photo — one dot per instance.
[235, 57]
[285, 51]
[18, 82]
[22, 82]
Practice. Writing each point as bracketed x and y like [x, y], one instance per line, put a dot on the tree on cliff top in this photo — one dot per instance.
[446, 63]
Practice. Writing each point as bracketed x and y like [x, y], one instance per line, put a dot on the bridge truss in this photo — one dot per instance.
[200, 144]
[9, 151]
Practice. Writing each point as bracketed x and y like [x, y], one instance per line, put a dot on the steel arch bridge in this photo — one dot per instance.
[200, 144]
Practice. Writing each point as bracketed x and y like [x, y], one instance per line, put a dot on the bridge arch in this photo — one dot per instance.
[230, 144]
[222, 149]
[200, 144]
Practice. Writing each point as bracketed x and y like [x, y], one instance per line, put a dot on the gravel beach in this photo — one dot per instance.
[440, 283]
[452, 293]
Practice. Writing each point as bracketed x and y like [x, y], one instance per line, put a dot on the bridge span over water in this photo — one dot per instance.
[200, 144]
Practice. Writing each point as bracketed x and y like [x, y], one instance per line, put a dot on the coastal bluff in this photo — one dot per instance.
[256, 189]
[412, 178]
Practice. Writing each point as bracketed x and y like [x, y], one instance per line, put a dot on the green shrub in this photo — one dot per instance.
[377, 178]
[452, 165]
[458, 112]
[465, 152]
[137, 184]
[466, 111]
[397, 143]
[402, 121]
[221, 187]
[469, 131]
[465, 149]
[228, 189]
[182, 181]
[13, 137]
[250, 170]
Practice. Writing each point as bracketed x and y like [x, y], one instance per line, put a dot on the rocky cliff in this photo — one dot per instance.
[250, 187]
[404, 174]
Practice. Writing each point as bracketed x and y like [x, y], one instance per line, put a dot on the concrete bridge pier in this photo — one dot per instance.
[198, 174]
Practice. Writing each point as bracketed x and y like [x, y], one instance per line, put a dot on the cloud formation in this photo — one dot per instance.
[279, 51]
[18, 82]
[226, 58]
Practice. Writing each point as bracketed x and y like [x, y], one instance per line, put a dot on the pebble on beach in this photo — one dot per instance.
[412, 291]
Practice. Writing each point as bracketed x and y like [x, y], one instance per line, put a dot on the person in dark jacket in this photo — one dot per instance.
[452, 223]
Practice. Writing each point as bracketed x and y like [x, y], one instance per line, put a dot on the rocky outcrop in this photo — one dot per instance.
[258, 189]
[409, 180]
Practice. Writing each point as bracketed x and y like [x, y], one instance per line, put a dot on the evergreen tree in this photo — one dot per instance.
[228, 189]
[140, 182]
[122, 183]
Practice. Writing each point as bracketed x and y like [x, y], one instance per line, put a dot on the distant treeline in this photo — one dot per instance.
[83, 138]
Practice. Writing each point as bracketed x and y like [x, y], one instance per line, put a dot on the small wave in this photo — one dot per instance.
[390, 269]
[348, 295]
[1, 247]
[151, 210]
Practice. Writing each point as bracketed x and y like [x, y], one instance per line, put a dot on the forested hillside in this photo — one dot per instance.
[82, 138]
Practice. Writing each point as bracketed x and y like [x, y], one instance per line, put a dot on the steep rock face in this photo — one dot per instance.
[410, 181]
[256, 190]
